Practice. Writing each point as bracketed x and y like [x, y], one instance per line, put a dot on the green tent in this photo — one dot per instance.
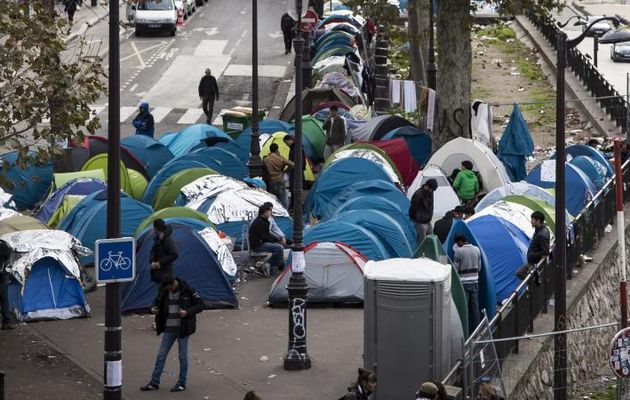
[371, 147]
[173, 212]
[432, 248]
[99, 162]
[314, 132]
[138, 183]
[20, 223]
[170, 189]
[67, 204]
[535, 204]
[62, 178]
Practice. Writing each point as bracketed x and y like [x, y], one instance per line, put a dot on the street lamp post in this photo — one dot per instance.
[297, 357]
[254, 164]
[431, 68]
[560, 252]
[595, 49]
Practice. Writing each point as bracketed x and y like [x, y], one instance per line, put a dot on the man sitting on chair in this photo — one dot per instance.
[261, 239]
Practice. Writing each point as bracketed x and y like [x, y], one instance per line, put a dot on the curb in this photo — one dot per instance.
[75, 35]
[283, 94]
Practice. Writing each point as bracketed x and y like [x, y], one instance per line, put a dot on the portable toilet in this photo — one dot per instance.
[407, 317]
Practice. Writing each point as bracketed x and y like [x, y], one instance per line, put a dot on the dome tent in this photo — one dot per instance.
[173, 212]
[522, 188]
[353, 235]
[151, 153]
[334, 276]
[576, 150]
[61, 178]
[99, 162]
[28, 183]
[370, 152]
[399, 152]
[377, 127]
[78, 186]
[535, 204]
[182, 142]
[378, 203]
[517, 214]
[265, 127]
[169, 190]
[283, 148]
[595, 171]
[208, 186]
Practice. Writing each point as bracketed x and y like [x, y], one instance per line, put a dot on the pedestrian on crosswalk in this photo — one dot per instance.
[287, 25]
[208, 93]
[144, 122]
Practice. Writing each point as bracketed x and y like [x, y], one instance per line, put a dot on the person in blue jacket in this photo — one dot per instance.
[144, 122]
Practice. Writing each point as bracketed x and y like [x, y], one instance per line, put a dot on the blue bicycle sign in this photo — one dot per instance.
[115, 260]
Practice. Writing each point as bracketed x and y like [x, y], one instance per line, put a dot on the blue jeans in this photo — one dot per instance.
[168, 339]
[472, 295]
[277, 253]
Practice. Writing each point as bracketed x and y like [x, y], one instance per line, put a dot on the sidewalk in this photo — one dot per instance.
[87, 17]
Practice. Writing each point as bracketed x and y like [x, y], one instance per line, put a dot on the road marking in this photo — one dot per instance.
[135, 49]
[218, 120]
[140, 52]
[268, 71]
[276, 35]
[135, 85]
[191, 116]
[126, 112]
[212, 31]
[210, 48]
[159, 113]
[244, 33]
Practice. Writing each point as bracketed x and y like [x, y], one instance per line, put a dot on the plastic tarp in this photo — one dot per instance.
[88, 220]
[376, 128]
[487, 292]
[173, 212]
[61, 178]
[334, 276]
[151, 153]
[208, 186]
[6, 200]
[20, 223]
[339, 81]
[591, 168]
[444, 198]
[576, 150]
[515, 146]
[450, 156]
[418, 142]
[515, 213]
[99, 162]
[283, 148]
[221, 250]
[184, 141]
[368, 154]
[29, 183]
[505, 247]
[579, 188]
[312, 98]
[170, 190]
[77, 186]
[353, 235]
[196, 264]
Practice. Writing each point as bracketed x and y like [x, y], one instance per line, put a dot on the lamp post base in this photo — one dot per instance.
[297, 357]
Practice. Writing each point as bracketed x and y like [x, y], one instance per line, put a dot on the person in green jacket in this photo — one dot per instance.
[466, 182]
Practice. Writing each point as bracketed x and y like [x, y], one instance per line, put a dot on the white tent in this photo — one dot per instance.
[450, 156]
[517, 214]
[444, 199]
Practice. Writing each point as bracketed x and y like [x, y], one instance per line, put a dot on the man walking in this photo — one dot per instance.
[70, 8]
[144, 122]
[538, 247]
[421, 209]
[208, 93]
[275, 165]
[467, 263]
[335, 128]
[5, 252]
[287, 25]
[163, 252]
[175, 309]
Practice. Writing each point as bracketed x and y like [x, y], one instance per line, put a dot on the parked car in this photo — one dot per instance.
[155, 15]
[620, 52]
[598, 29]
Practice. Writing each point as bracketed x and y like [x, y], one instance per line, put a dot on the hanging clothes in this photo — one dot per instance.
[410, 103]
[394, 91]
[481, 122]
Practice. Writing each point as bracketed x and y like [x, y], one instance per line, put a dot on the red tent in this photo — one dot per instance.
[398, 151]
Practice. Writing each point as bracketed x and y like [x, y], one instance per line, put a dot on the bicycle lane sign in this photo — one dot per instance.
[115, 260]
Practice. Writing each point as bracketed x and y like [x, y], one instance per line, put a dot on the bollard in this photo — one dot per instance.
[1, 385]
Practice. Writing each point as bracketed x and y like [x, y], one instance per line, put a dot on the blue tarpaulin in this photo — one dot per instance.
[515, 146]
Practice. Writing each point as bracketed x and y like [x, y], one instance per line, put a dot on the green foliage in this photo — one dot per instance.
[43, 78]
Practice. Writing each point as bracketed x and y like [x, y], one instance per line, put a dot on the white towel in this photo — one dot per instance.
[431, 110]
[394, 88]
[410, 99]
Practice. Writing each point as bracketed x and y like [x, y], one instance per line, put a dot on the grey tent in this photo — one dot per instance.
[334, 274]
[314, 98]
[378, 127]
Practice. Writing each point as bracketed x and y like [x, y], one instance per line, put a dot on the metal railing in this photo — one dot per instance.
[609, 98]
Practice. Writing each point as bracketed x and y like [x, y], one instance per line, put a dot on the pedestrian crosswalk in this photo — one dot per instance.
[179, 116]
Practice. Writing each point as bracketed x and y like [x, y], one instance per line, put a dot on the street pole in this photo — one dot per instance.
[621, 235]
[112, 371]
[255, 164]
[595, 49]
[297, 357]
[560, 252]
[431, 68]
[627, 132]
[307, 66]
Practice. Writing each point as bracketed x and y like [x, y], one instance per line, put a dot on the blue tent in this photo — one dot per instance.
[583, 150]
[230, 146]
[151, 153]
[580, 190]
[591, 168]
[353, 235]
[171, 168]
[418, 142]
[78, 186]
[50, 292]
[88, 219]
[196, 264]
[515, 146]
[333, 18]
[505, 247]
[184, 141]
[192, 223]
[27, 184]
[267, 126]
[487, 292]
[387, 229]
[338, 176]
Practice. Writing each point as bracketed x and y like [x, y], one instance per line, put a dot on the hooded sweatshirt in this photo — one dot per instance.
[466, 184]
[144, 122]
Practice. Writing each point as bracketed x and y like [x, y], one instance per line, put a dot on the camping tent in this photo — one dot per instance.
[315, 136]
[399, 152]
[515, 146]
[45, 278]
[515, 213]
[79, 186]
[278, 138]
[378, 127]
[88, 219]
[334, 275]
[265, 127]
[595, 171]
[61, 178]
[182, 142]
[20, 223]
[169, 190]
[196, 263]
[445, 198]
[535, 204]
[522, 188]
[99, 162]
[173, 212]
[353, 235]
[28, 183]
[208, 186]
[579, 188]
[137, 183]
[151, 153]
[376, 202]
[367, 151]
[450, 156]
[583, 150]
[418, 142]
[312, 98]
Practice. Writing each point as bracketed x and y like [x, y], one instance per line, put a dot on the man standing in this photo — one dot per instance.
[208, 93]
[262, 241]
[538, 247]
[163, 252]
[275, 165]
[144, 122]
[287, 25]
[5, 252]
[335, 128]
[290, 141]
[466, 183]
[421, 209]
[175, 309]
[467, 263]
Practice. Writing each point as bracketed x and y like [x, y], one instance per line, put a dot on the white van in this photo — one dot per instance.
[153, 15]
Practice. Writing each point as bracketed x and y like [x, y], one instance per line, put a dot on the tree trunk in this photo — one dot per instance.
[418, 32]
[454, 75]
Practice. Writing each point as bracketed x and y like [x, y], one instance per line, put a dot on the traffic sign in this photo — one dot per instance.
[115, 260]
[309, 21]
[620, 353]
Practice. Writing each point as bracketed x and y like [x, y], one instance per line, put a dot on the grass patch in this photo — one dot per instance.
[544, 100]
[497, 33]
[607, 394]
[479, 93]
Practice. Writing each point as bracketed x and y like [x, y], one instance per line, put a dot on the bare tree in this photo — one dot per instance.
[418, 33]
